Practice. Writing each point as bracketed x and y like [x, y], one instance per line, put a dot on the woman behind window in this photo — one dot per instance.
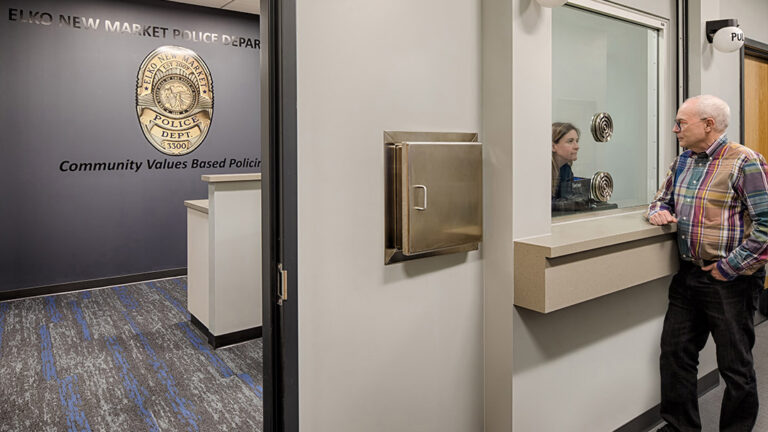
[565, 149]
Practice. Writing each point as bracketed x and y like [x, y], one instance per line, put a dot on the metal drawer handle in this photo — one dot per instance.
[425, 197]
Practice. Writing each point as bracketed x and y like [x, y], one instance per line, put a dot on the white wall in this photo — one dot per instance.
[752, 16]
[592, 366]
[715, 72]
[499, 215]
[408, 347]
[711, 71]
[395, 348]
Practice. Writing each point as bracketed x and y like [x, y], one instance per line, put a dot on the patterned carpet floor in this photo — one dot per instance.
[122, 358]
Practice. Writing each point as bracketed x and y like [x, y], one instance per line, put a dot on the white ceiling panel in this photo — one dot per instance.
[209, 3]
[246, 6]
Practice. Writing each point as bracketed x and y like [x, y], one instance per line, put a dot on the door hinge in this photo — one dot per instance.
[282, 284]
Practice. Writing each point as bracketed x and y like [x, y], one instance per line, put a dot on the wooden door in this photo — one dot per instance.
[756, 106]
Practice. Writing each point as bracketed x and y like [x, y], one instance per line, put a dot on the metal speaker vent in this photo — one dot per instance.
[602, 127]
[602, 186]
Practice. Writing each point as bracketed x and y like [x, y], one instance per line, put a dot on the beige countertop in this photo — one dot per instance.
[199, 205]
[586, 234]
[584, 259]
[217, 178]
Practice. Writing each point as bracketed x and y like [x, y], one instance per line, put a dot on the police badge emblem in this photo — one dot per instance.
[174, 99]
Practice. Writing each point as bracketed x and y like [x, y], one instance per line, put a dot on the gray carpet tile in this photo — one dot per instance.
[122, 358]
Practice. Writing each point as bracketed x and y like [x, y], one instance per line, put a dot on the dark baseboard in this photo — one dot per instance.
[225, 339]
[88, 284]
[652, 417]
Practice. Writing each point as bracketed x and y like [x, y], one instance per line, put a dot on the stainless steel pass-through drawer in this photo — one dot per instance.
[433, 194]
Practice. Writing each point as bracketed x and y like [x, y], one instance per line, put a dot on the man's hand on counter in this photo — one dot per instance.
[662, 218]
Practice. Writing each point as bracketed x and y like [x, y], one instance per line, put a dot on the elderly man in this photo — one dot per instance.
[717, 193]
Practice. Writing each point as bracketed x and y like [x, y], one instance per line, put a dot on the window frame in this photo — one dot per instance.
[664, 142]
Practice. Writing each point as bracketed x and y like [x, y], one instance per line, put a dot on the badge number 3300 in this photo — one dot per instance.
[174, 99]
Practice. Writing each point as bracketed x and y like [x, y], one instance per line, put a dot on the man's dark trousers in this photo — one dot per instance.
[700, 305]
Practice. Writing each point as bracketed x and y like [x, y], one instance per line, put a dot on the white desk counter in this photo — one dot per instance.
[224, 259]
[222, 178]
[199, 205]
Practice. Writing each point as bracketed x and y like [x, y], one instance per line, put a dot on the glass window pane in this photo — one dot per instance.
[604, 64]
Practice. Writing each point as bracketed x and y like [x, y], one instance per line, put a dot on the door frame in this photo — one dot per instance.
[755, 49]
[279, 215]
[760, 50]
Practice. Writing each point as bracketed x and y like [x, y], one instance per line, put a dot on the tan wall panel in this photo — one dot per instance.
[548, 284]
[582, 277]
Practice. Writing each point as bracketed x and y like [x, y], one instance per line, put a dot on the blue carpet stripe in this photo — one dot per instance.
[181, 283]
[136, 392]
[170, 299]
[154, 372]
[203, 347]
[50, 305]
[68, 395]
[70, 400]
[255, 387]
[182, 407]
[80, 319]
[129, 303]
[3, 311]
[46, 354]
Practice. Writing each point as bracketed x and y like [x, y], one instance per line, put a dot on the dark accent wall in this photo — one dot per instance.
[68, 94]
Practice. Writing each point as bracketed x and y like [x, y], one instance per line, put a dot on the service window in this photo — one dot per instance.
[605, 108]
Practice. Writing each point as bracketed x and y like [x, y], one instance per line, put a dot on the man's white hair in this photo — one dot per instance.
[715, 108]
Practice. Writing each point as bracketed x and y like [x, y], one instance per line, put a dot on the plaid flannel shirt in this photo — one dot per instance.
[720, 199]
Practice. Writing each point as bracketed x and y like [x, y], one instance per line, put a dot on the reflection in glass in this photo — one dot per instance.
[605, 65]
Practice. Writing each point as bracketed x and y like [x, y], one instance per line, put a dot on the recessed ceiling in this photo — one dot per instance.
[247, 6]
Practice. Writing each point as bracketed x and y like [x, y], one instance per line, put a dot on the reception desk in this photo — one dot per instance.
[224, 259]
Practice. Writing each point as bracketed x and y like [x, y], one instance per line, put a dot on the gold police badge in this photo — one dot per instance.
[174, 99]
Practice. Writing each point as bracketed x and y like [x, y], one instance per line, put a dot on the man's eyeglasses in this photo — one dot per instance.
[680, 124]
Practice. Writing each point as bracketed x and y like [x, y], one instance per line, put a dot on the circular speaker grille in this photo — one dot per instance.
[602, 127]
[602, 186]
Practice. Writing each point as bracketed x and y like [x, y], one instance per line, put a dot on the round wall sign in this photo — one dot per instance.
[728, 39]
